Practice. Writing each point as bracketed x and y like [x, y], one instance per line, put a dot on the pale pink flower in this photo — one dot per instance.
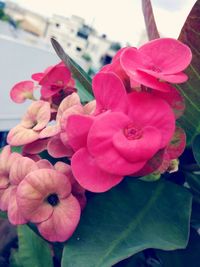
[18, 171]
[44, 197]
[77, 190]
[68, 104]
[33, 122]
[7, 158]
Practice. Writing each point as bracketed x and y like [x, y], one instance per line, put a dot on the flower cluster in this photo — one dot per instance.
[128, 130]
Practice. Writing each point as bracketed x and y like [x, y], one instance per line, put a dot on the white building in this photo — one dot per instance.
[81, 41]
[28, 20]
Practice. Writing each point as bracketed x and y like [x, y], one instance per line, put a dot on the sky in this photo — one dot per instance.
[120, 20]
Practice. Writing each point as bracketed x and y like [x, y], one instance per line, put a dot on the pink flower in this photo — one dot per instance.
[77, 190]
[157, 61]
[22, 91]
[33, 122]
[18, 171]
[116, 143]
[7, 158]
[66, 106]
[54, 80]
[116, 68]
[44, 197]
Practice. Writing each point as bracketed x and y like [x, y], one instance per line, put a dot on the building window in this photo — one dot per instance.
[78, 49]
[106, 59]
[57, 25]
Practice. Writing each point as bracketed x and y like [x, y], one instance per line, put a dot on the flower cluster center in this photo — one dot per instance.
[156, 69]
[132, 132]
[53, 199]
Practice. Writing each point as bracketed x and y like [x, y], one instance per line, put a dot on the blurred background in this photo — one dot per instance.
[90, 31]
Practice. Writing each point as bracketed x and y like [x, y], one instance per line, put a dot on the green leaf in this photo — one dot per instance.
[15, 259]
[76, 70]
[138, 260]
[193, 181]
[33, 250]
[128, 219]
[150, 23]
[188, 257]
[3, 215]
[196, 148]
[189, 35]
[85, 96]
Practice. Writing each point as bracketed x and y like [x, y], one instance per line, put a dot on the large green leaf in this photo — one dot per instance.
[196, 148]
[149, 19]
[188, 257]
[76, 70]
[190, 35]
[33, 250]
[127, 219]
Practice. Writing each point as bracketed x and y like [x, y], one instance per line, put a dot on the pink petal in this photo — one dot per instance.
[108, 89]
[138, 149]
[21, 91]
[100, 144]
[5, 198]
[77, 129]
[36, 187]
[172, 78]
[20, 168]
[57, 149]
[76, 109]
[89, 175]
[37, 115]
[44, 164]
[132, 59]
[21, 136]
[90, 107]
[144, 78]
[35, 147]
[14, 213]
[63, 168]
[64, 220]
[152, 165]
[48, 91]
[170, 55]
[4, 180]
[4, 156]
[32, 156]
[37, 76]
[58, 75]
[32, 203]
[177, 144]
[174, 99]
[50, 131]
[67, 103]
[147, 110]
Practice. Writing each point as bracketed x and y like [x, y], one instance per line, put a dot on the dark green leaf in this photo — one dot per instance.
[188, 257]
[190, 35]
[193, 181]
[150, 23]
[3, 215]
[33, 250]
[15, 259]
[138, 260]
[76, 70]
[128, 219]
[196, 148]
